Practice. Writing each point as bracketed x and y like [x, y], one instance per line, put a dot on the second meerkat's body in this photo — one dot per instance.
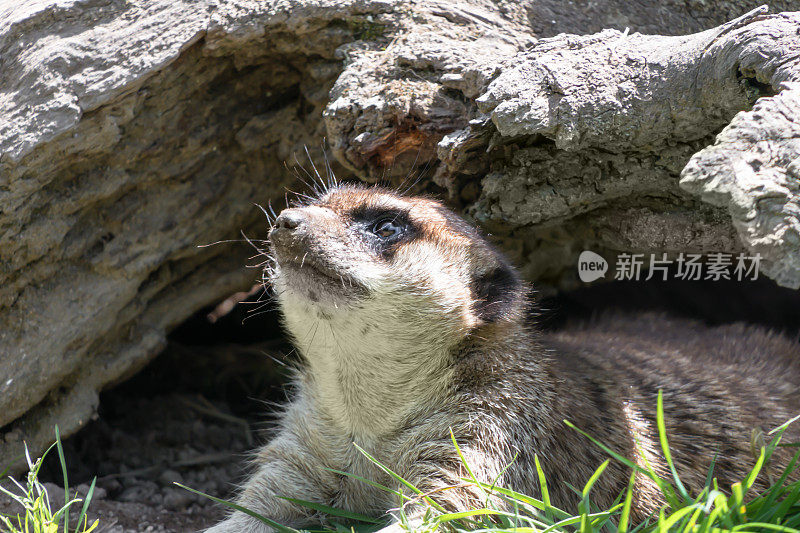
[410, 324]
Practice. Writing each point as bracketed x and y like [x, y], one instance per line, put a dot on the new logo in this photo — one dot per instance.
[591, 266]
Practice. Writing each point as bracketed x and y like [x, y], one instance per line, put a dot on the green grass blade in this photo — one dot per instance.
[661, 521]
[662, 438]
[503, 471]
[787, 504]
[9, 493]
[584, 507]
[592, 480]
[782, 427]
[751, 477]
[528, 500]
[333, 511]
[507, 530]
[64, 471]
[676, 517]
[691, 524]
[776, 490]
[449, 517]
[585, 526]
[601, 520]
[573, 520]
[63, 511]
[86, 501]
[761, 526]
[665, 488]
[622, 459]
[543, 487]
[368, 482]
[710, 475]
[464, 462]
[263, 519]
[626, 507]
[721, 502]
[399, 478]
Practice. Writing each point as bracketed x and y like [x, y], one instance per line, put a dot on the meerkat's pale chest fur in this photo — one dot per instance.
[411, 325]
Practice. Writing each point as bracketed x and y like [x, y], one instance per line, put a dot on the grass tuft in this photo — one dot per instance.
[507, 511]
[39, 514]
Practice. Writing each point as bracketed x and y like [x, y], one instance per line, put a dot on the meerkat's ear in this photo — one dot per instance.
[496, 290]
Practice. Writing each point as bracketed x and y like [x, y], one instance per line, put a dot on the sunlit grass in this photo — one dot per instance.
[40, 515]
[716, 509]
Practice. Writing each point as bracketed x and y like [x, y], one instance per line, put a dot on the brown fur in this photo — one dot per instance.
[718, 384]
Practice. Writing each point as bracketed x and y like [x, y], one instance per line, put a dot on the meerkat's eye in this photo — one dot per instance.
[386, 228]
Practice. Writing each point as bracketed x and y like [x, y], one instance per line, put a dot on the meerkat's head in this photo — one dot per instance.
[388, 270]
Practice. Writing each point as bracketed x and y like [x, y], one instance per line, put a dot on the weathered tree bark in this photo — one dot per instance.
[578, 140]
[132, 132]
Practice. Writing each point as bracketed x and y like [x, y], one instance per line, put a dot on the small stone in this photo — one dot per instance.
[169, 477]
[176, 499]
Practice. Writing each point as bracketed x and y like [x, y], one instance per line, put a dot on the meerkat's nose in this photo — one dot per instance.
[289, 219]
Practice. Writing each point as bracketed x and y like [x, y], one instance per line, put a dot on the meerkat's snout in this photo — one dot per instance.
[319, 258]
[289, 235]
[289, 220]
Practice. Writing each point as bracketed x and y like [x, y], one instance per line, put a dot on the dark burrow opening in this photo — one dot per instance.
[195, 412]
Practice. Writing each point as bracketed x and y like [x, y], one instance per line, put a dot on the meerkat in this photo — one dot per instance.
[411, 325]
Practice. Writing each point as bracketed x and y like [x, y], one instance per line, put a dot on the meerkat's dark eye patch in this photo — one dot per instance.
[494, 292]
[383, 228]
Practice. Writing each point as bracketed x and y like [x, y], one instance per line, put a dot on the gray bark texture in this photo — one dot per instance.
[131, 132]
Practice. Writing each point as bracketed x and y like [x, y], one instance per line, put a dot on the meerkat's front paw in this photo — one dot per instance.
[224, 527]
[239, 523]
[414, 523]
[395, 527]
